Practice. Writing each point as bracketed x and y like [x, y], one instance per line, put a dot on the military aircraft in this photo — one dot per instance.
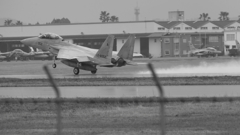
[80, 57]
[18, 53]
[204, 52]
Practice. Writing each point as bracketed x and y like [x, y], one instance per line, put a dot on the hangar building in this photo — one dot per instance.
[155, 38]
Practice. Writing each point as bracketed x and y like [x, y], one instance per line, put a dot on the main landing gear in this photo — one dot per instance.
[54, 65]
[94, 72]
[76, 71]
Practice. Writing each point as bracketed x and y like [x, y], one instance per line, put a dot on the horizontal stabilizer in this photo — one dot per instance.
[100, 62]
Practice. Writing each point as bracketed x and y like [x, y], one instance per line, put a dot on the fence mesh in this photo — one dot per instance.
[58, 101]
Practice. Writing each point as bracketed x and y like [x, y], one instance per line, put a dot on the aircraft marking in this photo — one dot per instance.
[102, 56]
[39, 43]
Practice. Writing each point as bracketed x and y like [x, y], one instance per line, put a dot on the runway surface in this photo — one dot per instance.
[164, 67]
[121, 91]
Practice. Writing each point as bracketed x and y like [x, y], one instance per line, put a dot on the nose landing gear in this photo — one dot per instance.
[54, 65]
[94, 72]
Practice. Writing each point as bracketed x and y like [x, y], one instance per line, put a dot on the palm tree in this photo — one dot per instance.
[223, 16]
[19, 23]
[104, 16]
[8, 22]
[114, 18]
[204, 17]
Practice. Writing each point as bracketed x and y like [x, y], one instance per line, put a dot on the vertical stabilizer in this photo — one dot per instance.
[126, 52]
[105, 52]
[31, 49]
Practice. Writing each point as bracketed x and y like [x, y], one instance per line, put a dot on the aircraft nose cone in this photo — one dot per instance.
[24, 41]
[28, 41]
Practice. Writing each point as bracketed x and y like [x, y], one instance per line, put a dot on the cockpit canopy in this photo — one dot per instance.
[18, 51]
[50, 36]
[211, 49]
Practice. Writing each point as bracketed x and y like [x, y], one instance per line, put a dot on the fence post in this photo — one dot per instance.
[58, 104]
[161, 99]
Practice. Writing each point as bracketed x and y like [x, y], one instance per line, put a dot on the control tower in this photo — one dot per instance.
[176, 15]
[137, 12]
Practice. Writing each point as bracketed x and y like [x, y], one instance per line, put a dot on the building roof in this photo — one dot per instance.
[223, 24]
[168, 24]
[158, 34]
[196, 24]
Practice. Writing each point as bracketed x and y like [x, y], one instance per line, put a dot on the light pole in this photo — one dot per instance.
[179, 45]
[205, 40]
[200, 39]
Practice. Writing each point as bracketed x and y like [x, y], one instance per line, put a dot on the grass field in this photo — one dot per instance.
[118, 119]
[217, 80]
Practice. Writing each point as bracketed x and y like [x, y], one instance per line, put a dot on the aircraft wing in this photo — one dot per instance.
[5, 53]
[81, 56]
[73, 54]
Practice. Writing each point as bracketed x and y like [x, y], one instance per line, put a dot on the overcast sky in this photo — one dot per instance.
[42, 11]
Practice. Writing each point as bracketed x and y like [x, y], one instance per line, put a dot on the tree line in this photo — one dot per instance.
[105, 17]
[223, 16]
[54, 21]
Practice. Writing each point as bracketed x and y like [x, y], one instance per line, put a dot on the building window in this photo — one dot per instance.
[213, 38]
[234, 47]
[230, 37]
[166, 40]
[215, 28]
[184, 40]
[176, 28]
[176, 46]
[175, 40]
[188, 28]
[197, 38]
[231, 27]
[167, 52]
[18, 45]
[203, 28]
[122, 41]
[161, 28]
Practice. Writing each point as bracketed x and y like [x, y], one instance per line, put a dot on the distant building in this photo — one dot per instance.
[176, 15]
[153, 38]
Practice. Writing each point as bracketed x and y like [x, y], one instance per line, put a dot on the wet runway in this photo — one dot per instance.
[163, 67]
[121, 91]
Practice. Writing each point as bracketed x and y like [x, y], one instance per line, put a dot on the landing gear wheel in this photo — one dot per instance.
[54, 65]
[94, 72]
[76, 71]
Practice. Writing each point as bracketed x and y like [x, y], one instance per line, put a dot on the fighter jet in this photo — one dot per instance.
[204, 52]
[80, 57]
[18, 53]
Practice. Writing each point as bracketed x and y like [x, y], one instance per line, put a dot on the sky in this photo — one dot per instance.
[77, 11]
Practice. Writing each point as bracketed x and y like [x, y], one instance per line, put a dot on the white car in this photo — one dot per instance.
[137, 55]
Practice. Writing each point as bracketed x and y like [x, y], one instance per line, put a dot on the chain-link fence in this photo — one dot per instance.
[161, 100]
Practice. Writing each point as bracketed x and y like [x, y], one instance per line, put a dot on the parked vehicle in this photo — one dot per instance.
[137, 55]
[234, 52]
